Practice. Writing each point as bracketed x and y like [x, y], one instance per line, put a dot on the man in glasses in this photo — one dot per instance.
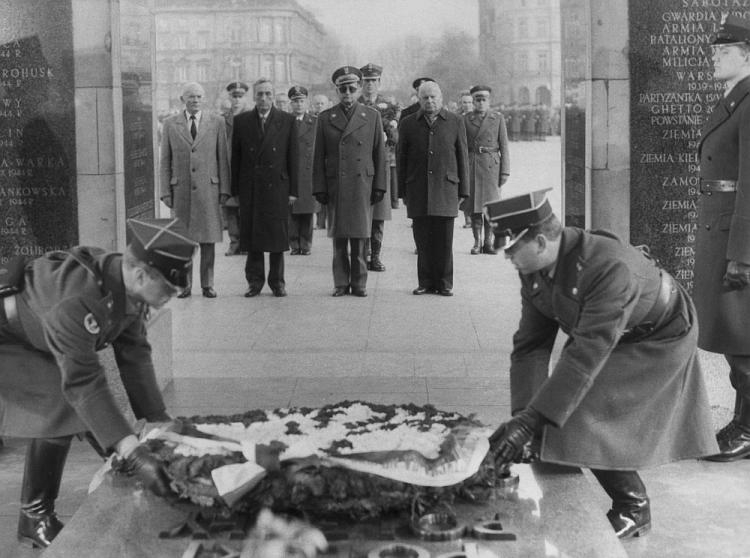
[722, 250]
[349, 177]
[65, 307]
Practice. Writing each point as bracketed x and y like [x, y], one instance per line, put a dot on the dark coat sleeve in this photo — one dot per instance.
[462, 161]
[379, 159]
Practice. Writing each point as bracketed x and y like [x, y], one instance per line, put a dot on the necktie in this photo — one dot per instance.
[193, 129]
[262, 124]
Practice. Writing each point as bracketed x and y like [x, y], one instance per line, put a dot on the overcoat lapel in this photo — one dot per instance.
[272, 126]
[724, 108]
[358, 119]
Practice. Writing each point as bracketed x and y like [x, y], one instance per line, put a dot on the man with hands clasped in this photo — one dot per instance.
[60, 310]
[627, 390]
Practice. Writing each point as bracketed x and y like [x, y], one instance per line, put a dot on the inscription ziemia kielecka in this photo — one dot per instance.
[672, 94]
[38, 206]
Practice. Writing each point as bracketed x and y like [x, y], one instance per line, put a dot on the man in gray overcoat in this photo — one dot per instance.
[722, 247]
[301, 211]
[349, 177]
[194, 177]
[627, 390]
[489, 164]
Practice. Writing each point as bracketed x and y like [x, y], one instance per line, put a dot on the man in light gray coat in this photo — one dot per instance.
[194, 177]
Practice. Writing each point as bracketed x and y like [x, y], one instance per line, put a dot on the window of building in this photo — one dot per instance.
[279, 31]
[180, 73]
[522, 62]
[265, 30]
[523, 28]
[542, 27]
[280, 74]
[542, 61]
[266, 67]
[182, 40]
[201, 71]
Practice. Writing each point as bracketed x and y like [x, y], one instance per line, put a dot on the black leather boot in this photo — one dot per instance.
[38, 524]
[630, 515]
[489, 239]
[728, 430]
[375, 263]
[735, 442]
[476, 229]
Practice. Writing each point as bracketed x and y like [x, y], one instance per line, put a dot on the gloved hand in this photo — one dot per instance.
[322, 198]
[737, 276]
[143, 465]
[376, 196]
[508, 441]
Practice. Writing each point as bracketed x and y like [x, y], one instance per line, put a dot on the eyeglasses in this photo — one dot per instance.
[347, 88]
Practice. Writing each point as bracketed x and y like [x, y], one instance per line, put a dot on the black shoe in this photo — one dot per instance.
[252, 291]
[38, 524]
[422, 290]
[376, 265]
[631, 523]
[340, 291]
[209, 292]
[476, 249]
[727, 432]
[734, 446]
[630, 515]
[488, 249]
[445, 292]
[281, 291]
[304, 252]
[295, 252]
[185, 294]
[359, 292]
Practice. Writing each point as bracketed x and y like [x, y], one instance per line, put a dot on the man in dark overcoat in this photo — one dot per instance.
[433, 177]
[722, 247]
[194, 177]
[349, 177]
[381, 211]
[489, 164]
[264, 176]
[68, 306]
[626, 391]
[301, 211]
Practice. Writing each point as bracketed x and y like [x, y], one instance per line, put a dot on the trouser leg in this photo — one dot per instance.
[305, 222]
[45, 461]
[476, 229]
[421, 231]
[341, 268]
[376, 244]
[488, 247]
[294, 232]
[394, 187]
[232, 221]
[358, 263]
[255, 270]
[276, 270]
[442, 252]
[630, 515]
[208, 255]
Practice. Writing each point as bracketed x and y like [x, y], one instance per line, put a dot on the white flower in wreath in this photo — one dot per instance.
[382, 106]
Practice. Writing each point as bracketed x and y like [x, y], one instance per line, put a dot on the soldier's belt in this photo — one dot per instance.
[708, 186]
[482, 149]
[652, 318]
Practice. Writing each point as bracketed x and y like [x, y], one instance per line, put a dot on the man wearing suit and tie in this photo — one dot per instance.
[301, 211]
[194, 177]
[264, 176]
[349, 176]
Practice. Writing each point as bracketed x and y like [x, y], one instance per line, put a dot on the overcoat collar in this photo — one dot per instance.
[724, 108]
[421, 114]
[305, 125]
[338, 119]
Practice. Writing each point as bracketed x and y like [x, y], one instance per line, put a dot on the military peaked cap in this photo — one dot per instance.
[346, 74]
[419, 81]
[238, 85]
[297, 92]
[478, 88]
[512, 217]
[164, 245]
[371, 71]
[733, 30]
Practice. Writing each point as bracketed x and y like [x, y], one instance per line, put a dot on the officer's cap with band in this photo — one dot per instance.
[733, 30]
[419, 81]
[164, 245]
[512, 217]
[238, 86]
[297, 92]
[371, 71]
[346, 74]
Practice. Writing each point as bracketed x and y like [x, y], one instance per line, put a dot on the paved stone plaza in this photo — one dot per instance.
[232, 354]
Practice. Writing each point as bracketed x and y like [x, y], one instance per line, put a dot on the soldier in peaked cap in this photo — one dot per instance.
[389, 116]
[301, 211]
[349, 169]
[231, 209]
[722, 251]
[627, 390]
[67, 306]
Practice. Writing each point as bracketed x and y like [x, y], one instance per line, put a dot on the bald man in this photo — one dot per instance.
[194, 177]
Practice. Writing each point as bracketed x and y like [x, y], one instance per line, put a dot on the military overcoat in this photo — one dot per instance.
[723, 231]
[195, 173]
[381, 211]
[51, 381]
[349, 165]
[486, 168]
[305, 202]
[432, 164]
[623, 394]
[264, 175]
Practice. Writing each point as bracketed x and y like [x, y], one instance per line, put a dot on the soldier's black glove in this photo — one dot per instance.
[508, 441]
[143, 465]
[737, 276]
[322, 198]
[376, 196]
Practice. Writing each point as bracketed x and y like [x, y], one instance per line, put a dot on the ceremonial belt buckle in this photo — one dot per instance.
[709, 186]
[483, 149]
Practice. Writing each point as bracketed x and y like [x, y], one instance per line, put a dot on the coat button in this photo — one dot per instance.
[708, 227]
[193, 170]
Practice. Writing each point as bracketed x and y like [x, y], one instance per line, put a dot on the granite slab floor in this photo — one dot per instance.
[232, 354]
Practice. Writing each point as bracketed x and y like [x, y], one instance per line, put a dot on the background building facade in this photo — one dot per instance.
[217, 41]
